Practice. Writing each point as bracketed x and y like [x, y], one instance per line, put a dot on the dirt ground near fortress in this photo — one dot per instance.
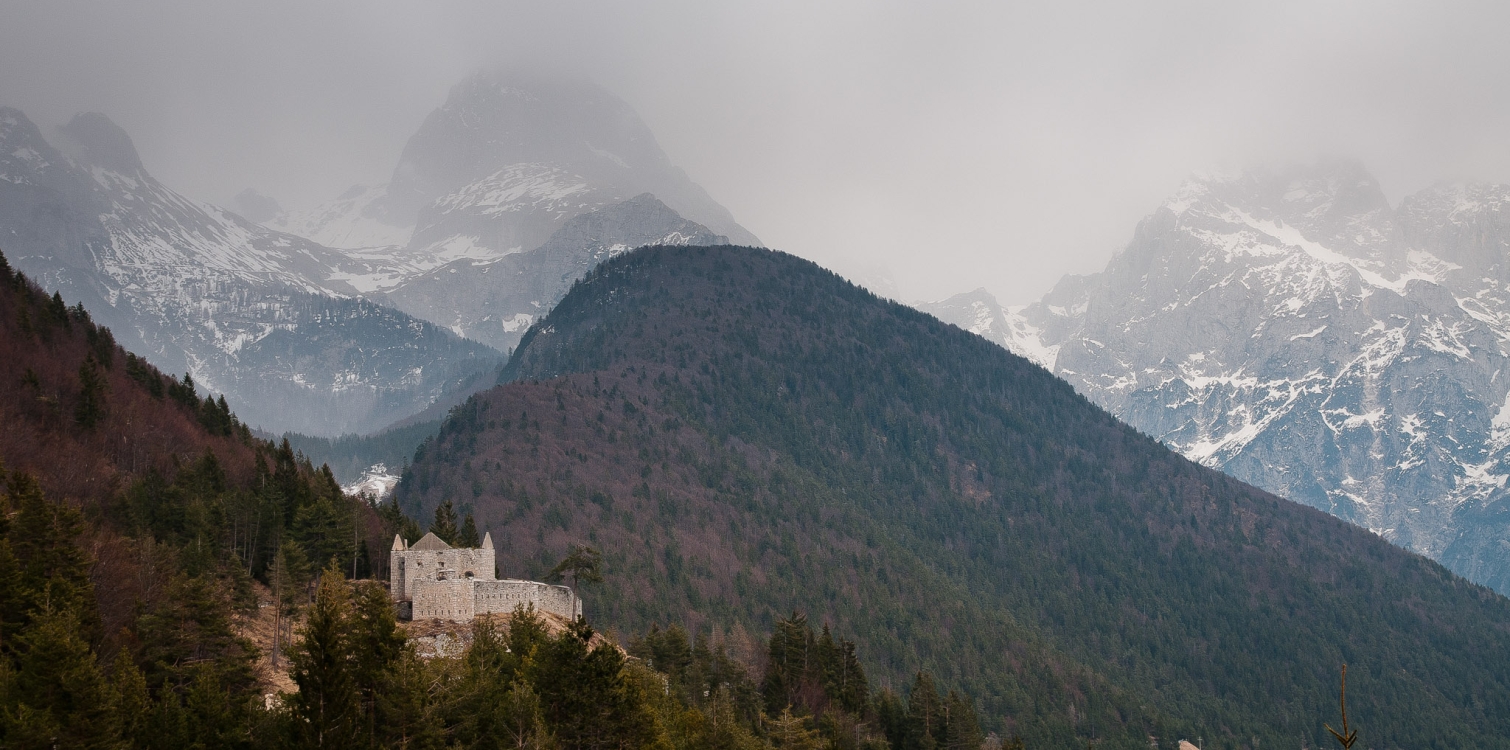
[431, 638]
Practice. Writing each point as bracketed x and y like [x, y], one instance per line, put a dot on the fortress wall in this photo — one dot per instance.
[505, 596]
[412, 566]
[444, 600]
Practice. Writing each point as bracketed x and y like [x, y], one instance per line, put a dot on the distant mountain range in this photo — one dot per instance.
[1292, 328]
[259, 315]
[355, 315]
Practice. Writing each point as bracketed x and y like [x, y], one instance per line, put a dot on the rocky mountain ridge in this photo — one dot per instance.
[495, 301]
[263, 315]
[351, 317]
[1290, 327]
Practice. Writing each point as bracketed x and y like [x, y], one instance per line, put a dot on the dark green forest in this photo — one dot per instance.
[744, 434]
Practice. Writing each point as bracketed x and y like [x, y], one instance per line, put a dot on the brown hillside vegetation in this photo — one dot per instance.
[43, 346]
[134, 517]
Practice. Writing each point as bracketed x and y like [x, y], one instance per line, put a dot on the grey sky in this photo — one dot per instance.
[957, 144]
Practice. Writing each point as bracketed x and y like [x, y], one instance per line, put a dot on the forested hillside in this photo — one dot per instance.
[134, 517]
[744, 434]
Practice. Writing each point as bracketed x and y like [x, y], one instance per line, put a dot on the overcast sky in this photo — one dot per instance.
[955, 144]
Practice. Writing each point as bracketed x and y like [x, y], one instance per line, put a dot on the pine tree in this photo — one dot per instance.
[467, 536]
[786, 662]
[54, 571]
[57, 311]
[326, 709]
[925, 715]
[586, 698]
[60, 689]
[583, 563]
[377, 646]
[90, 408]
[408, 716]
[790, 732]
[961, 726]
[133, 705]
[496, 708]
[445, 523]
[288, 578]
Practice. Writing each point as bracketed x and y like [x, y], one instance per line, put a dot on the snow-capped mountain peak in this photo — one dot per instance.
[1288, 326]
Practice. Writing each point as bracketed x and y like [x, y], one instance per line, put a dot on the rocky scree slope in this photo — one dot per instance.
[743, 434]
[1291, 328]
[261, 315]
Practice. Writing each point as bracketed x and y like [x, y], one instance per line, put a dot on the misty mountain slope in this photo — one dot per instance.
[249, 311]
[497, 169]
[1292, 329]
[495, 301]
[743, 433]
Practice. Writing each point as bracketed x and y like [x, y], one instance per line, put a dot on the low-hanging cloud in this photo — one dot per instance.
[957, 145]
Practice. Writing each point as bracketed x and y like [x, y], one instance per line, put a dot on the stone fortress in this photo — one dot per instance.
[434, 581]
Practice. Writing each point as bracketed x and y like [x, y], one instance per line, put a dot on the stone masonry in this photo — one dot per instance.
[433, 580]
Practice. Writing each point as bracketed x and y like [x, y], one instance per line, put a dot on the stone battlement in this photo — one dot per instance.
[433, 580]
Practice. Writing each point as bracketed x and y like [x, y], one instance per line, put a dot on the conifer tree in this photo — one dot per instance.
[444, 525]
[406, 710]
[326, 709]
[585, 696]
[961, 726]
[786, 662]
[377, 646]
[90, 408]
[926, 725]
[526, 631]
[133, 705]
[62, 699]
[583, 563]
[467, 536]
[288, 578]
[57, 310]
[789, 732]
[54, 571]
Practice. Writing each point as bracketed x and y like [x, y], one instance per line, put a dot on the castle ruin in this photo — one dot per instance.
[433, 580]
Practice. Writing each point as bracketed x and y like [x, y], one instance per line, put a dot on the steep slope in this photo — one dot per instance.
[134, 515]
[495, 301]
[249, 311]
[141, 419]
[1293, 330]
[743, 434]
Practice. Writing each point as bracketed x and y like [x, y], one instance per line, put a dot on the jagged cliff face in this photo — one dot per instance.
[1295, 331]
[251, 312]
